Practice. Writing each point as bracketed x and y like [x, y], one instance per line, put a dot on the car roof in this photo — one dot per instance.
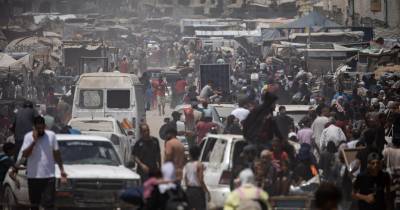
[73, 137]
[224, 105]
[292, 108]
[94, 119]
[229, 137]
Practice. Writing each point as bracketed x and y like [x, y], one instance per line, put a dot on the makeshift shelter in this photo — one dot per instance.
[325, 58]
[8, 62]
[312, 20]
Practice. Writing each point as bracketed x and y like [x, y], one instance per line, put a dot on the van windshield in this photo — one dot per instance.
[91, 99]
[118, 99]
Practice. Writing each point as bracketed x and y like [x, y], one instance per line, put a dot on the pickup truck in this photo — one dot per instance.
[96, 177]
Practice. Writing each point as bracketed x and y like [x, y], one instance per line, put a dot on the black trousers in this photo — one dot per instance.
[42, 193]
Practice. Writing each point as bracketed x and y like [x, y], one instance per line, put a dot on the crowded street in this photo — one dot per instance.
[199, 105]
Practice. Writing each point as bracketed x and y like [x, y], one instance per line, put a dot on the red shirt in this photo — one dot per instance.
[180, 86]
[123, 67]
[203, 128]
[159, 88]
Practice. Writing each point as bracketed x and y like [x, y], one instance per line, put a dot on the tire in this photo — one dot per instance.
[9, 201]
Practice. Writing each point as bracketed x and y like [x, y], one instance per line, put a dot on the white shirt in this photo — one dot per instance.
[240, 113]
[41, 163]
[352, 144]
[206, 92]
[318, 126]
[331, 133]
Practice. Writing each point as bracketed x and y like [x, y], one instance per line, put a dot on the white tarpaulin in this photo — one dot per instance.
[38, 18]
[228, 33]
[7, 61]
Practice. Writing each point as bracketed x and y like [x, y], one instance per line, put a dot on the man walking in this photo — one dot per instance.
[41, 149]
[23, 124]
[146, 153]
[318, 125]
[160, 88]
[175, 152]
[285, 123]
[180, 87]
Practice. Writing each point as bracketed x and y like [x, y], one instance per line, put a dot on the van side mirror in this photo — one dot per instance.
[115, 139]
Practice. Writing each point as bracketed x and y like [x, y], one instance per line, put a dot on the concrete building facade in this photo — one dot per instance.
[376, 13]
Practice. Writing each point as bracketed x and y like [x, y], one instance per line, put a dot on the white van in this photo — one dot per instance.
[111, 94]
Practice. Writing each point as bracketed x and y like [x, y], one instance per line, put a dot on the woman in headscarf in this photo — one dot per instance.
[247, 196]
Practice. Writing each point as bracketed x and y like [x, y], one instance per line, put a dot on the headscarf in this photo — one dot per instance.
[246, 177]
[168, 171]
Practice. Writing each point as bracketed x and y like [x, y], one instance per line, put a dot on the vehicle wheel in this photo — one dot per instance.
[9, 201]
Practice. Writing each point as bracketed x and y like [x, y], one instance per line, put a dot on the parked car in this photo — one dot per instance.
[220, 155]
[109, 128]
[297, 112]
[215, 116]
[223, 110]
[96, 176]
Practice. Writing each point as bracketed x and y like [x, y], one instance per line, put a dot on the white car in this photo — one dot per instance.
[215, 118]
[96, 176]
[220, 153]
[297, 112]
[223, 110]
[109, 128]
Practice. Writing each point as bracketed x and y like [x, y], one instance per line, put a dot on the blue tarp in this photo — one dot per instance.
[314, 19]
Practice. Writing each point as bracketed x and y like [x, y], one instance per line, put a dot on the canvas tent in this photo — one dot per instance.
[9, 63]
[312, 20]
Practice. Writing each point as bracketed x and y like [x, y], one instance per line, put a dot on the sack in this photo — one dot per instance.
[133, 196]
[176, 200]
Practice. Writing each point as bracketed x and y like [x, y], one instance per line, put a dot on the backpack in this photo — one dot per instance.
[250, 204]
[176, 200]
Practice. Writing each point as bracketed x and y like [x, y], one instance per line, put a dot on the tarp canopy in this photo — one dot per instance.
[313, 20]
[8, 62]
[270, 34]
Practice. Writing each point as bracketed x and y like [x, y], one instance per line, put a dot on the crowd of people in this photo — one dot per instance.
[279, 155]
